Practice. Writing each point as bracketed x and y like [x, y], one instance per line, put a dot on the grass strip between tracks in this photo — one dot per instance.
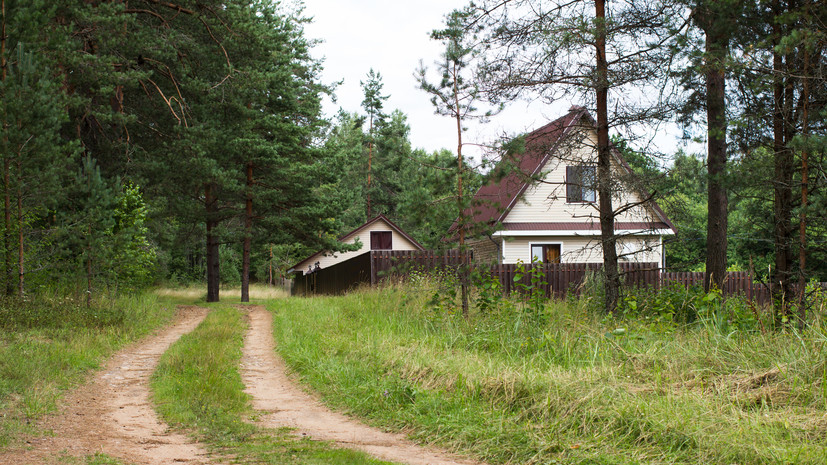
[197, 386]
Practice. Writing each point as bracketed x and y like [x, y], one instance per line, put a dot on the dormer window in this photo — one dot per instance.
[580, 181]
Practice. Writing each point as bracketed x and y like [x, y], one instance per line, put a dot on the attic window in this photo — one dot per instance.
[381, 240]
[580, 180]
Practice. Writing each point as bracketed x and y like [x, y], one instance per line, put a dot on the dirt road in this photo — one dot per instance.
[112, 413]
[285, 404]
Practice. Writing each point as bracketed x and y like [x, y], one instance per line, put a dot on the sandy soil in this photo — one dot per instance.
[284, 404]
[112, 413]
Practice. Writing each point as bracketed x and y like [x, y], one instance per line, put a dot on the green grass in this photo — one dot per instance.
[96, 459]
[566, 386]
[50, 344]
[197, 386]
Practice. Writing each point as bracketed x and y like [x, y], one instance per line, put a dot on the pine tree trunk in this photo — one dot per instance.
[805, 180]
[20, 249]
[604, 167]
[213, 263]
[89, 267]
[270, 268]
[7, 248]
[463, 268]
[782, 182]
[248, 233]
[716, 232]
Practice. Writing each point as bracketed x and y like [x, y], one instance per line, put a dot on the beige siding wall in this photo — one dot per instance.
[582, 249]
[546, 201]
[328, 259]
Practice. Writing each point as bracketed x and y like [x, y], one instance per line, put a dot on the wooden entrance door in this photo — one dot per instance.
[545, 253]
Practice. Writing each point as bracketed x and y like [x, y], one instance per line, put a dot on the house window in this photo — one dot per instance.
[381, 240]
[545, 253]
[580, 180]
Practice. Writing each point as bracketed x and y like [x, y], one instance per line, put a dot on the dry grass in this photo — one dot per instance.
[198, 292]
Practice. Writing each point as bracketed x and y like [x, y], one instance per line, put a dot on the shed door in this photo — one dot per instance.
[381, 240]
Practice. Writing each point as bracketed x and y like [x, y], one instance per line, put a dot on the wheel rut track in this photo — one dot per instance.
[112, 413]
[283, 404]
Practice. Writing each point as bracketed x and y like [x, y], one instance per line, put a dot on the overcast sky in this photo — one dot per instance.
[392, 37]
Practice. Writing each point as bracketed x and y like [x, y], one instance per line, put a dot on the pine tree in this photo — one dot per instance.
[457, 96]
[537, 48]
[372, 104]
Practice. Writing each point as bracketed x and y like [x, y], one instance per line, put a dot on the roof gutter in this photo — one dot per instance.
[585, 232]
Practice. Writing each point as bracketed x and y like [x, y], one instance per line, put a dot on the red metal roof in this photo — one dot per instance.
[494, 201]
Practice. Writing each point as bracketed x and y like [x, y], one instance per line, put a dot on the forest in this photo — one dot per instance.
[149, 141]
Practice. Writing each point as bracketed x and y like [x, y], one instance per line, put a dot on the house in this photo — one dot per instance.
[542, 203]
[379, 233]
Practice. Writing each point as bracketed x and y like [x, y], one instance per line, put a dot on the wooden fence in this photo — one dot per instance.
[562, 278]
[735, 283]
[400, 263]
[559, 279]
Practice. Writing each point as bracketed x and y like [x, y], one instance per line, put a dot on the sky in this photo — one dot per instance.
[392, 37]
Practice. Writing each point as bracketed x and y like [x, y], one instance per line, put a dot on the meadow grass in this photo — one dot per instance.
[197, 386]
[565, 385]
[50, 343]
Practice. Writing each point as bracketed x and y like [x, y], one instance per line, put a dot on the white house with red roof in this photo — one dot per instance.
[541, 204]
[378, 233]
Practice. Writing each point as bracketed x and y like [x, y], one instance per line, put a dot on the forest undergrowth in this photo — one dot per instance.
[679, 377]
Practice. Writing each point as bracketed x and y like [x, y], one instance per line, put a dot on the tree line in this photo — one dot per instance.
[148, 139]
[184, 140]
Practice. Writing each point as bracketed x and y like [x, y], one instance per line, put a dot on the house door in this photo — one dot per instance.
[545, 253]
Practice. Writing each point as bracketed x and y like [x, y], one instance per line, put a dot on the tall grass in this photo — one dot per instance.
[563, 385]
[50, 342]
[197, 386]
